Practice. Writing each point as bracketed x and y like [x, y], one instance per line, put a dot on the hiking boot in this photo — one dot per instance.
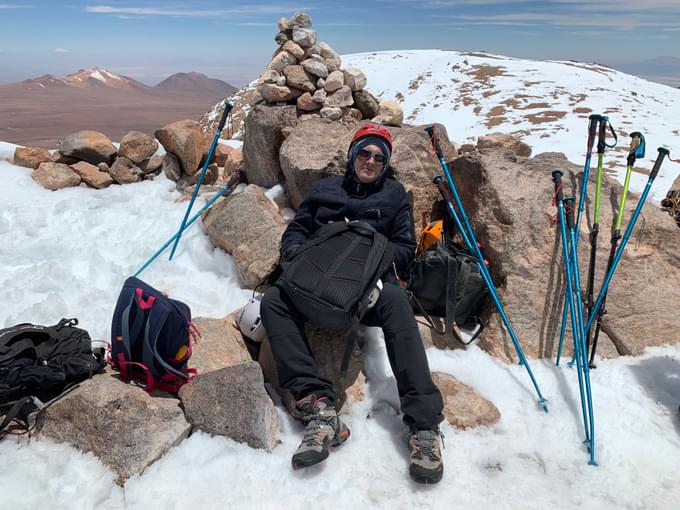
[323, 430]
[426, 458]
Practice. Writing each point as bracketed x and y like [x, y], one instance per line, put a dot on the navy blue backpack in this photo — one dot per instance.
[151, 337]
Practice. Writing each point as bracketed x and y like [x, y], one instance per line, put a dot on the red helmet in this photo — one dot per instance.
[373, 130]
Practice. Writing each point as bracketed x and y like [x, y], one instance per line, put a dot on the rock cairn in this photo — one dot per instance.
[308, 73]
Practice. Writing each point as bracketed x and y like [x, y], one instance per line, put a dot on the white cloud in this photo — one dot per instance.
[14, 6]
[193, 13]
[61, 50]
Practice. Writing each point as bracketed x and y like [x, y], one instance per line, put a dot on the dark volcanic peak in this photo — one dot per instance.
[191, 84]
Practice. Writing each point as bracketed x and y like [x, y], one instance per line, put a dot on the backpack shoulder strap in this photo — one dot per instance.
[150, 349]
[451, 289]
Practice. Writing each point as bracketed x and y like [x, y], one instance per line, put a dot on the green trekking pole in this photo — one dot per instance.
[601, 146]
[637, 150]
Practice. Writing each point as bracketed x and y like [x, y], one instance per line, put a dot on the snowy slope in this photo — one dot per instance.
[66, 253]
[546, 103]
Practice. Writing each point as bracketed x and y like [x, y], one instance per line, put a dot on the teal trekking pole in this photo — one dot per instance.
[580, 350]
[227, 108]
[637, 150]
[226, 189]
[629, 230]
[463, 225]
[570, 299]
[592, 129]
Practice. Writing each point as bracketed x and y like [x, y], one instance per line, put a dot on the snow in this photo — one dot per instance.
[97, 75]
[66, 253]
[461, 91]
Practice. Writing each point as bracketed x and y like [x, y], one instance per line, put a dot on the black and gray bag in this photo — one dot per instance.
[445, 281]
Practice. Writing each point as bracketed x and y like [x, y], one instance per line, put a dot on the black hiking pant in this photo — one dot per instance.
[421, 401]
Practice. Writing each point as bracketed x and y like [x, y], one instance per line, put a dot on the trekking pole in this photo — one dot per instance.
[663, 152]
[637, 150]
[227, 188]
[463, 223]
[580, 351]
[601, 145]
[569, 297]
[592, 129]
[227, 108]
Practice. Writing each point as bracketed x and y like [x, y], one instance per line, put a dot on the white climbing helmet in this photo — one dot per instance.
[248, 319]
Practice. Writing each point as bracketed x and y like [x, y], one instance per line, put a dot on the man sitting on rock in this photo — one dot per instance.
[362, 194]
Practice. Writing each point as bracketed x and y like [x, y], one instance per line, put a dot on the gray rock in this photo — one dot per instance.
[311, 152]
[32, 157]
[171, 167]
[315, 67]
[320, 96]
[262, 141]
[281, 60]
[137, 146]
[355, 78]
[300, 20]
[294, 49]
[92, 175]
[232, 401]
[270, 76]
[464, 408]
[185, 140]
[248, 226]
[514, 223]
[340, 98]
[331, 112]
[296, 77]
[54, 176]
[366, 103]
[504, 141]
[152, 165]
[277, 93]
[327, 52]
[119, 423]
[390, 114]
[335, 81]
[281, 38]
[306, 103]
[125, 171]
[91, 146]
[333, 64]
[304, 37]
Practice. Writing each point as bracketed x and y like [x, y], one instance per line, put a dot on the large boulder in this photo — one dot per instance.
[137, 146]
[91, 146]
[503, 141]
[122, 425]
[366, 103]
[509, 203]
[32, 157]
[315, 149]
[262, 141]
[247, 225]
[185, 140]
[464, 408]
[228, 396]
[55, 176]
[92, 175]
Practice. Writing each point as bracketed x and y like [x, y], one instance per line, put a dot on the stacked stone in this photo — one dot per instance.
[308, 73]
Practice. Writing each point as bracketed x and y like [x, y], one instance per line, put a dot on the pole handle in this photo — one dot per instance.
[225, 113]
[663, 152]
[569, 211]
[637, 147]
[433, 139]
[557, 179]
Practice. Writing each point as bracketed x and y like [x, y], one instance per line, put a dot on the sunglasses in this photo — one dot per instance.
[378, 157]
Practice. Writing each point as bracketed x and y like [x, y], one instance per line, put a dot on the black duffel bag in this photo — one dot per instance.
[445, 281]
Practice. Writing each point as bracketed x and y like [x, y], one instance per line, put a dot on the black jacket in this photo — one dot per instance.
[384, 205]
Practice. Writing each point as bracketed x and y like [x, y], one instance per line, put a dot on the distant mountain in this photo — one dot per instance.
[195, 84]
[38, 111]
[660, 69]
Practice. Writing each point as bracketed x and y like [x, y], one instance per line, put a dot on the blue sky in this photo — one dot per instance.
[148, 40]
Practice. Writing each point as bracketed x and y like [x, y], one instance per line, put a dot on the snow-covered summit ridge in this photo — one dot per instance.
[545, 103]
